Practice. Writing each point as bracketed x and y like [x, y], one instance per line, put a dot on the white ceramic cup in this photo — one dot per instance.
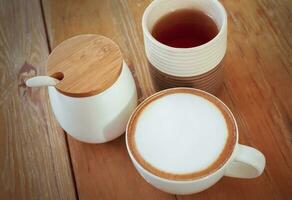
[185, 62]
[244, 162]
[99, 118]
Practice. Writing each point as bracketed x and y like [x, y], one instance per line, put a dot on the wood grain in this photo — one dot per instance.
[104, 171]
[34, 162]
[257, 88]
[89, 63]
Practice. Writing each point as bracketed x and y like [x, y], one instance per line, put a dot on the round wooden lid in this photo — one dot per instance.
[85, 64]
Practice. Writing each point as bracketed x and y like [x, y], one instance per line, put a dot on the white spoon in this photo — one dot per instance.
[39, 81]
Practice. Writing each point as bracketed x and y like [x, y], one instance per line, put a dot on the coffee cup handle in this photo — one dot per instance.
[247, 163]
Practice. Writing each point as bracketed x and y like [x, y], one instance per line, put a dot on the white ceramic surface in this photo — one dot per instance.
[99, 118]
[185, 62]
[245, 162]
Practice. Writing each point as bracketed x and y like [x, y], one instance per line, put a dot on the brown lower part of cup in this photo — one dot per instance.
[210, 81]
[223, 157]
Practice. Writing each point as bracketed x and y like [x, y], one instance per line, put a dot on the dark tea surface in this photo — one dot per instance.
[185, 28]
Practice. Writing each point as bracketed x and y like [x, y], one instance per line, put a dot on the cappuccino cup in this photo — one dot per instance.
[184, 140]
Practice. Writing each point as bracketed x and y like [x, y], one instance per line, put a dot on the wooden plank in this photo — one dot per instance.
[257, 89]
[34, 162]
[104, 171]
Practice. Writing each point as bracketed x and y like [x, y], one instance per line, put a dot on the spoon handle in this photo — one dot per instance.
[39, 81]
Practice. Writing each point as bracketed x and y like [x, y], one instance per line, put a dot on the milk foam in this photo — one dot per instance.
[181, 133]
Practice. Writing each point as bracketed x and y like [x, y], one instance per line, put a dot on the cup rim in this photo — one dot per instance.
[191, 180]
[169, 48]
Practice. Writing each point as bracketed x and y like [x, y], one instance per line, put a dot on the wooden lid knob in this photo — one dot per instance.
[86, 64]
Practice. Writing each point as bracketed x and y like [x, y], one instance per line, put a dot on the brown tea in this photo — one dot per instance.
[185, 28]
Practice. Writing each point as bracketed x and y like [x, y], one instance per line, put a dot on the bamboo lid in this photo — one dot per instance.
[85, 64]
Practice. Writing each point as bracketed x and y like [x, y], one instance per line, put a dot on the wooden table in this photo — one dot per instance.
[39, 161]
